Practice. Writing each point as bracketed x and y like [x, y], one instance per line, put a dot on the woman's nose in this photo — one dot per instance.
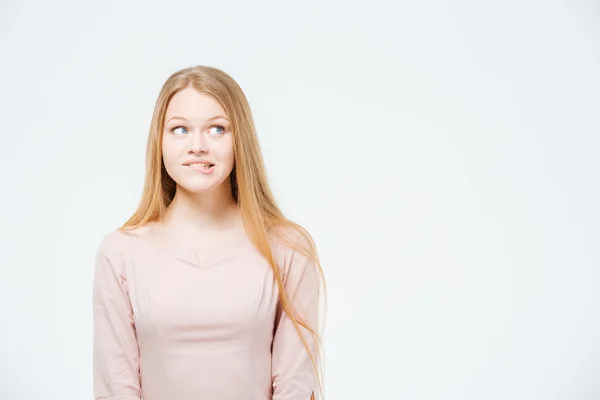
[198, 143]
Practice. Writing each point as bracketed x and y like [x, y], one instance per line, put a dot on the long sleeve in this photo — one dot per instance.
[292, 371]
[116, 354]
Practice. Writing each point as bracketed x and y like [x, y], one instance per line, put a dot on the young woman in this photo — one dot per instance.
[207, 291]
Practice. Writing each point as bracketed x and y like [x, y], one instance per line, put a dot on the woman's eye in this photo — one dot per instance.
[174, 130]
[218, 129]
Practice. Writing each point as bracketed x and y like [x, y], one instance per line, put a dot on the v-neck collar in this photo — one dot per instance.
[224, 251]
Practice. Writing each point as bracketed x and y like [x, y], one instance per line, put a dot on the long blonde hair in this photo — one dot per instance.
[260, 213]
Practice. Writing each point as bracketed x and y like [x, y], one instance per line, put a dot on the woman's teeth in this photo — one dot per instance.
[200, 165]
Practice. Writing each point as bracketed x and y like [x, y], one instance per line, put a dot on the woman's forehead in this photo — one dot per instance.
[189, 103]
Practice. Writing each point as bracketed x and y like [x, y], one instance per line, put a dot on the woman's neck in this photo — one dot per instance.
[200, 213]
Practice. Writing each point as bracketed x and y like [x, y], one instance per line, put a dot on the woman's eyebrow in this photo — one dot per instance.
[217, 117]
[176, 118]
[209, 119]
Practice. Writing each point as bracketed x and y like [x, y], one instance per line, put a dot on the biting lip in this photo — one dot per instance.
[195, 161]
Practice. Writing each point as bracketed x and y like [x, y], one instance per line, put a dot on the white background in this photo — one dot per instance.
[444, 155]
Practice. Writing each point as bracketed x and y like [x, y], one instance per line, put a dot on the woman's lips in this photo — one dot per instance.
[202, 168]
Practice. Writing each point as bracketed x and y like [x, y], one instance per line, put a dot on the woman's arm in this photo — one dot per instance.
[293, 373]
[116, 354]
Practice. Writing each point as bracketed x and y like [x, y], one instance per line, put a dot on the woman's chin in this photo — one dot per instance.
[199, 187]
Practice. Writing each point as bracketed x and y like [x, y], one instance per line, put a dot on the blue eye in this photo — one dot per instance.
[177, 127]
[221, 129]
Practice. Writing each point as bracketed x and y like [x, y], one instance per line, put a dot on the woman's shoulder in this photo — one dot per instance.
[122, 239]
[296, 253]
[292, 240]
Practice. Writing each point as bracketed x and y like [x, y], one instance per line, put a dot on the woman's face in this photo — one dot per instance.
[197, 144]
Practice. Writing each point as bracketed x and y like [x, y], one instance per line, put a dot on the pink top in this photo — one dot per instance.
[167, 327]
